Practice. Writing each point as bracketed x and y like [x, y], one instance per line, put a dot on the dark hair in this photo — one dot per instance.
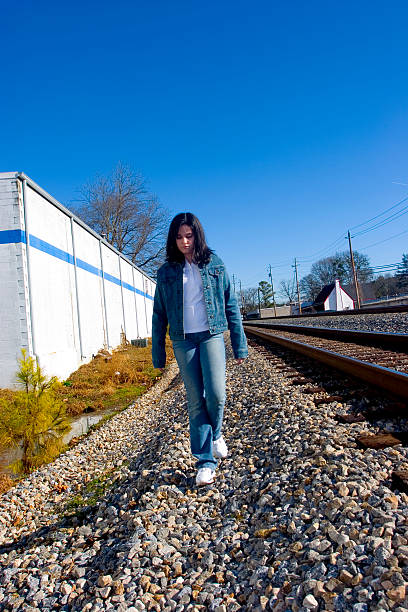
[202, 253]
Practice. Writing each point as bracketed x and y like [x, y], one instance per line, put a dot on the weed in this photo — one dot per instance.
[91, 493]
[75, 502]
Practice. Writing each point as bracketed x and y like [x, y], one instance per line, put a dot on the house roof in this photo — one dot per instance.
[324, 294]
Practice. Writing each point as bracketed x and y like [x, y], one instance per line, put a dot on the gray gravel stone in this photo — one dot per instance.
[298, 517]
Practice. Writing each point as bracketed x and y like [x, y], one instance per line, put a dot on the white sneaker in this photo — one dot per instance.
[220, 449]
[204, 476]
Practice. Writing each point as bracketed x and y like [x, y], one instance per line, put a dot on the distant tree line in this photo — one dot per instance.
[386, 285]
[338, 266]
[327, 270]
[262, 296]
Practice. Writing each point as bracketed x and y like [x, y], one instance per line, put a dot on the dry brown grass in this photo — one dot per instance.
[111, 381]
[5, 483]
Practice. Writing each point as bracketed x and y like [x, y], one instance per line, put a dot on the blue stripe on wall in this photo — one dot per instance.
[46, 247]
[12, 236]
[111, 278]
[86, 266]
[134, 289]
[15, 236]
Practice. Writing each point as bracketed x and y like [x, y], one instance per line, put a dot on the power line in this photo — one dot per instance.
[385, 269]
[380, 214]
[385, 240]
[399, 213]
[339, 240]
[387, 220]
[395, 265]
[323, 250]
[282, 265]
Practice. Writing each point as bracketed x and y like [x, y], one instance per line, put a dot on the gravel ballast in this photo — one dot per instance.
[299, 518]
[382, 322]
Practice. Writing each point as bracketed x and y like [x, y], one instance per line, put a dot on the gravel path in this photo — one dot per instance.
[385, 322]
[298, 518]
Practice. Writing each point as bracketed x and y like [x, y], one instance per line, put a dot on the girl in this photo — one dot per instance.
[194, 296]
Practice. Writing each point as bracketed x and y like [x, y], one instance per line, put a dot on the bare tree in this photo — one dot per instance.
[250, 298]
[120, 208]
[288, 289]
[310, 287]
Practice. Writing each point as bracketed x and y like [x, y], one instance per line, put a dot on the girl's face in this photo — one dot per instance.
[185, 241]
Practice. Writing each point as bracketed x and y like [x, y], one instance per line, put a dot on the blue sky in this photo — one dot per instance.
[280, 124]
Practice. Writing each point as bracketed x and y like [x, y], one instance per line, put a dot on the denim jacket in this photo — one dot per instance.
[221, 305]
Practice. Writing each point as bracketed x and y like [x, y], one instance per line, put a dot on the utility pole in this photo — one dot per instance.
[297, 285]
[259, 303]
[354, 271]
[241, 296]
[233, 282]
[273, 293]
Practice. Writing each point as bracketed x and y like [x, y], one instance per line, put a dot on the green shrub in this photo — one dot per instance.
[34, 418]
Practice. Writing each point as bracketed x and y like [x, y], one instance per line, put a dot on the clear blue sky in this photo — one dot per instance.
[280, 124]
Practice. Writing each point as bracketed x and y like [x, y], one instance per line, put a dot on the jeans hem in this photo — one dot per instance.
[206, 464]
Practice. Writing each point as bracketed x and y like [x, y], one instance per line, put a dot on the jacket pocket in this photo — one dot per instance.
[216, 279]
[216, 273]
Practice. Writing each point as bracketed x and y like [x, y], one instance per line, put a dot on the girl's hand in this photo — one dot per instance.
[240, 360]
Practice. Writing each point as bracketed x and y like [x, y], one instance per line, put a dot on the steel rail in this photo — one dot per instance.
[384, 378]
[340, 313]
[390, 340]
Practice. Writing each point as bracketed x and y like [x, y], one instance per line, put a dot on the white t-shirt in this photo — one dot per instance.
[194, 310]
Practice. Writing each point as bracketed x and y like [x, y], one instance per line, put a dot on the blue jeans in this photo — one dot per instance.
[201, 360]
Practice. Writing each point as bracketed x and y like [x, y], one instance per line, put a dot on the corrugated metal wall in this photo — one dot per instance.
[65, 292]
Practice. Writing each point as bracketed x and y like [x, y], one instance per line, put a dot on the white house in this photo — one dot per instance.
[333, 297]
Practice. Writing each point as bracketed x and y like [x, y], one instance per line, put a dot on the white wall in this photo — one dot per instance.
[344, 301]
[52, 285]
[15, 332]
[338, 299]
[113, 295]
[90, 291]
[149, 290]
[65, 293]
[270, 312]
[330, 302]
[141, 306]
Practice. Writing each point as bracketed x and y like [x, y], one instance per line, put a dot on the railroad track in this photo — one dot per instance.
[380, 359]
[377, 310]
[385, 415]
